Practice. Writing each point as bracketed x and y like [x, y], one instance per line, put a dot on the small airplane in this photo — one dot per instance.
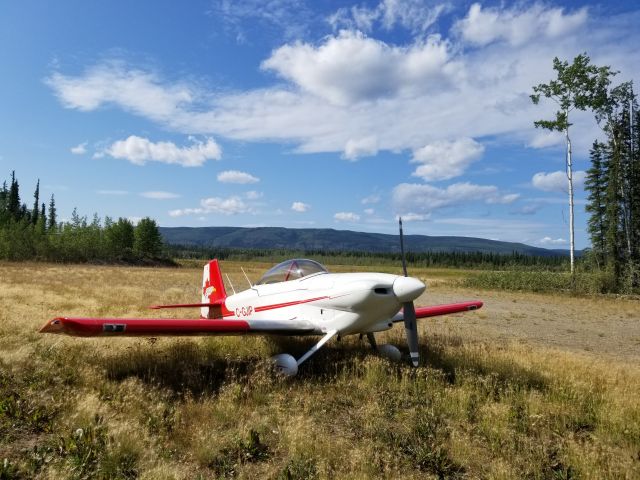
[295, 297]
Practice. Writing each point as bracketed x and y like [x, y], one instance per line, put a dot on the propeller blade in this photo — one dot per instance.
[404, 262]
[411, 328]
[410, 325]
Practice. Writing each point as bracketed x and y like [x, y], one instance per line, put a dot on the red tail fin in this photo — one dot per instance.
[212, 289]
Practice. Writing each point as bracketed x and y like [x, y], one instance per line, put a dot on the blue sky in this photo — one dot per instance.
[304, 114]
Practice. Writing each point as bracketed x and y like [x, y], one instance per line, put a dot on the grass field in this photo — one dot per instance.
[531, 386]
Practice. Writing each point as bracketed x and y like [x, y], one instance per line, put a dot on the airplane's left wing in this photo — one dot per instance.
[155, 327]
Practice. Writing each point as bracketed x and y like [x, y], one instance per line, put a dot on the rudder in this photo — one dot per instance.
[212, 290]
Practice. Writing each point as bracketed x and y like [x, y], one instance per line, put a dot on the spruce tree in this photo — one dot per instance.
[52, 224]
[36, 204]
[13, 202]
[596, 185]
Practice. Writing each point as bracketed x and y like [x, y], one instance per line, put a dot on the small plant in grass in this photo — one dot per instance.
[299, 468]
[252, 450]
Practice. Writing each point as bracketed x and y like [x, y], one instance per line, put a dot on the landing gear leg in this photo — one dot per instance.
[330, 334]
[372, 341]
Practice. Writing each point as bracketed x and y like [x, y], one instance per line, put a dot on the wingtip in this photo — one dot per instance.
[53, 326]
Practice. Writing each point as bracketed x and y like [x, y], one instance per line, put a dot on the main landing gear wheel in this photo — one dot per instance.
[285, 364]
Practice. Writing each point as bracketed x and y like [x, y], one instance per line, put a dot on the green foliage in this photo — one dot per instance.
[147, 241]
[613, 183]
[595, 282]
[31, 235]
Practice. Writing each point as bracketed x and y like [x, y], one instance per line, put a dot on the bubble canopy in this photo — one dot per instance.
[291, 270]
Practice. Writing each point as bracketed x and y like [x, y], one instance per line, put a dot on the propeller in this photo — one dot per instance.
[410, 324]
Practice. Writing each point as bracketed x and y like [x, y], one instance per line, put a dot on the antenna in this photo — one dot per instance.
[245, 276]
[229, 280]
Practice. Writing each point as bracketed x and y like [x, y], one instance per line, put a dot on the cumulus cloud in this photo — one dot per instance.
[159, 195]
[235, 176]
[346, 217]
[300, 207]
[557, 181]
[443, 160]
[518, 24]
[423, 199]
[139, 150]
[351, 67]
[226, 206]
[362, 147]
[79, 149]
[552, 241]
[414, 15]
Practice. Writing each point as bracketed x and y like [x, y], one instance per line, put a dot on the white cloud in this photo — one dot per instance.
[225, 206]
[159, 195]
[350, 67]
[240, 17]
[346, 217]
[557, 181]
[551, 241]
[423, 199]
[518, 24]
[369, 211]
[253, 195]
[545, 138]
[371, 199]
[414, 15]
[112, 192]
[415, 217]
[79, 149]
[362, 147]
[139, 150]
[235, 176]
[443, 160]
[300, 207]
[135, 90]
[350, 87]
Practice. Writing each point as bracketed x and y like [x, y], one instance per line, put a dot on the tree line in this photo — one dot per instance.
[471, 260]
[36, 233]
[613, 183]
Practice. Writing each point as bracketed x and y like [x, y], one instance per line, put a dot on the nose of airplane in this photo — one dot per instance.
[407, 289]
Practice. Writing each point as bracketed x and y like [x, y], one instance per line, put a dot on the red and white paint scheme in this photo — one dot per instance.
[296, 297]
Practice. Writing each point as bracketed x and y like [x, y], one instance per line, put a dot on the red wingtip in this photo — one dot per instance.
[53, 326]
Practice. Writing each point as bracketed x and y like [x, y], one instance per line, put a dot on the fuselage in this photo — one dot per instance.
[347, 302]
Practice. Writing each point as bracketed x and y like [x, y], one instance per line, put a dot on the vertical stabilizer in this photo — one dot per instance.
[212, 290]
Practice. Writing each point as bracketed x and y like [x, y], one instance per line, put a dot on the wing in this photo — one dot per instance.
[445, 309]
[155, 327]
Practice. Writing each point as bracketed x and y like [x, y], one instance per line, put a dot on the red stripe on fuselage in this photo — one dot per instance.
[287, 304]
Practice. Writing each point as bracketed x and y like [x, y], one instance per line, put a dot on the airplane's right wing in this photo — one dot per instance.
[445, 309]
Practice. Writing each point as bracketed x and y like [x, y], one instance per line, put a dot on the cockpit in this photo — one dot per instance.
[291, 270]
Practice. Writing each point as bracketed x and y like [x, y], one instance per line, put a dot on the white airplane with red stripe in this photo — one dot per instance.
[296, 297]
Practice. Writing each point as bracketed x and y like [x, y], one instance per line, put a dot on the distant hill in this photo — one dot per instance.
[327, 239]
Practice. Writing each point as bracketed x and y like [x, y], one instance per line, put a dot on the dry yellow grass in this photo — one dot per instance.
[505, 392]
